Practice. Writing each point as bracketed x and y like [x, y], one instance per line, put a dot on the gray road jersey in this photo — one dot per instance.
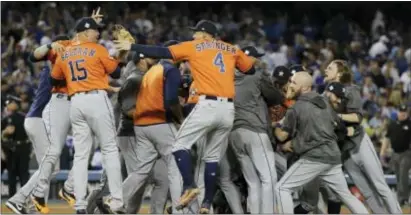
[252, 96]
[311, 122]
[127, 98]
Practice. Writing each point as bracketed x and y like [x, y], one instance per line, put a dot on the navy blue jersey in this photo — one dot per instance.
[42, 95]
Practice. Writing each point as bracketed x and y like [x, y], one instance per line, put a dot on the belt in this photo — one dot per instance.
[62, 96]
[215, 98]
[86, 92]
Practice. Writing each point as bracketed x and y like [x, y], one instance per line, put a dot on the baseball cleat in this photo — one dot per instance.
[106, 205]
[16, 208]
[40, 204]
[205, 208]
[188, 196]
[169, 210]
[68, 197]
[81, 211]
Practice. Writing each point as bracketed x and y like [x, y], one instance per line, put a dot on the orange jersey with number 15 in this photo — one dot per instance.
[212, 65]
[85, 66]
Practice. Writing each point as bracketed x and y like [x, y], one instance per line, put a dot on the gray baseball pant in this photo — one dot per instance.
[128, 148]
[152, 141]
[92, 112]
[402, 165]
[365, 170]
[256, 156]
[304, 171]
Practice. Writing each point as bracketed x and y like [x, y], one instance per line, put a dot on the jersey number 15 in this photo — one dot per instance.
[76, 68]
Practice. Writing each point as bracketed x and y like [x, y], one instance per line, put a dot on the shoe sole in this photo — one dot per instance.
[191, 197]
[69, 200]
[11, 207]
[40, 208]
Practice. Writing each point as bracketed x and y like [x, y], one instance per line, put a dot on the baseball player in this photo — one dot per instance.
[156, 108]
[212, 64]
[311, 123]
[362, 163]
[43, 139]
[249, 137]
[85, 66]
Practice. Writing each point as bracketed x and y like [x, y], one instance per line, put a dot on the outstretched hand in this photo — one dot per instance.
[122, 45]
[97, 16]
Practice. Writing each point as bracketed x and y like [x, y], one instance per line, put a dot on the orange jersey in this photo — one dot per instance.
[52, 56]
[192, 94]
[85, 66]
[150, 105]
[212, 65]
[278, 112]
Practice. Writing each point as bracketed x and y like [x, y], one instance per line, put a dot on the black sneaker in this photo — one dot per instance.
[16, 208]
[81, 211]
[40, 204]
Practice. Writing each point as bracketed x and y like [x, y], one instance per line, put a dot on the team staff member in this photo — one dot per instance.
[212, 64]
[311, 123]
[398, 137]
[85, 66]
[15, 144]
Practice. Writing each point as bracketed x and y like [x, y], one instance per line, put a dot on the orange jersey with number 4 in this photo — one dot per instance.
[85, 66]
[212, 65]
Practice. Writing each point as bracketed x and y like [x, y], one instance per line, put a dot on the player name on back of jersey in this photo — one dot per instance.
[215, 45]
[78, 51]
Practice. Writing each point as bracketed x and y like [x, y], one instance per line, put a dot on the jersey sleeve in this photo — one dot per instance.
[243, 62]
[109, 63]
[57, 72]
[182, 51]
[290, 122]
[354, 103]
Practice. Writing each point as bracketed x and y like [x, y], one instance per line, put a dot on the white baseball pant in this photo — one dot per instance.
[92, 112]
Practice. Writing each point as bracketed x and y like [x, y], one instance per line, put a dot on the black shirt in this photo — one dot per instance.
[399, 133]
[17, 120]
[127, 97]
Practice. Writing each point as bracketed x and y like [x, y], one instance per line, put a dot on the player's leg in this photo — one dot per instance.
[100, 117]
[199, 174]
[366, 187]
[280, 164]
[227, 186]
[164, 136]
[161, 186]
[82, 141]
[194, 127]
[216, 145]
[299, 174]
[37, 135]
[403, 188]
[366, 157]
[248, 170]
[262, 155]
[309, 197]
[334, 177]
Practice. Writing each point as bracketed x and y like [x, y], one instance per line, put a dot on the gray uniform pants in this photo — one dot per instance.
[93, 113]
[303, 172]
[154, 141]
[56, 127]
[402, 165]
[128, 148]
[256, 157]
[365, 170]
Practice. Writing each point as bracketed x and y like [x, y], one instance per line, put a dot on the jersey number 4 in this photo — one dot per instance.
[219, 62]
[75, 76]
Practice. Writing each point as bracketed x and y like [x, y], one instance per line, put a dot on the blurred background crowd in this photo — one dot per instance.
[373, 37]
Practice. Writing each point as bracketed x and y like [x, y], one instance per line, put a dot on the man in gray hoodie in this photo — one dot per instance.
[249, 138]
[310, 126]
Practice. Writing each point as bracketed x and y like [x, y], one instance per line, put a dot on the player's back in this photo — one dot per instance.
[212, 64]
[86, 66]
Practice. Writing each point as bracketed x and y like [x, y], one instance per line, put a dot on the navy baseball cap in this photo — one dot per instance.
[252, 51]
[337, 88]
[206, 26]
[297, 68]
[61, 37]
[86, 23]
[403, 108]
[281, 74]
[11, 99]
